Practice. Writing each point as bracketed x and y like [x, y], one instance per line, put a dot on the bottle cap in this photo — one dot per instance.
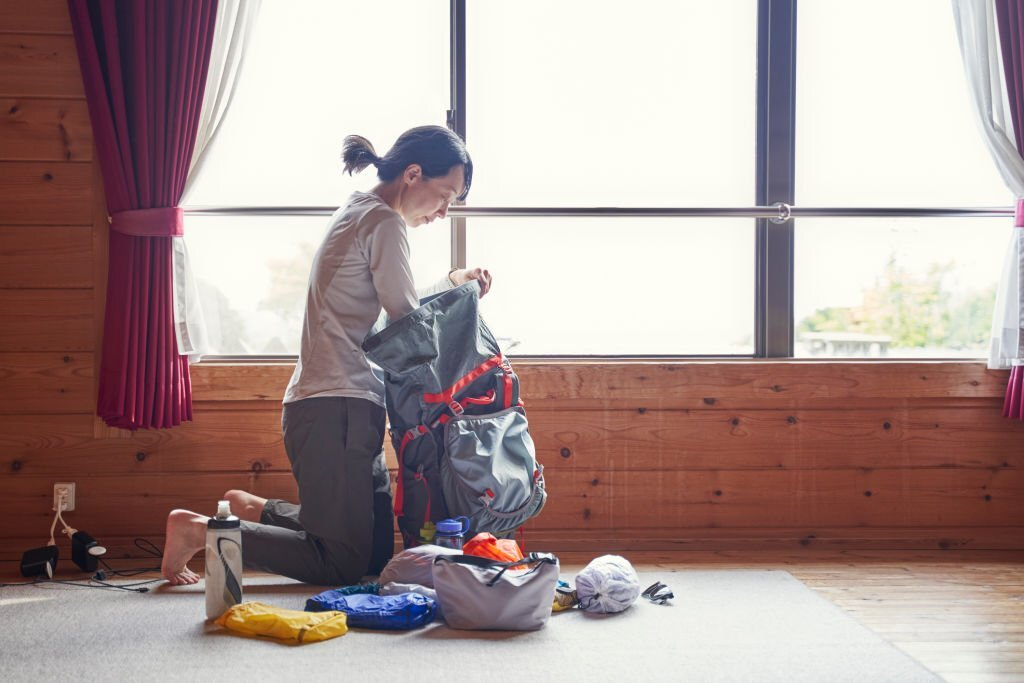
[449, 526]
[223, 519]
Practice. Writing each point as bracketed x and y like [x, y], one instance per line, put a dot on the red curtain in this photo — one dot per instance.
[1010, 19]
[144, 66]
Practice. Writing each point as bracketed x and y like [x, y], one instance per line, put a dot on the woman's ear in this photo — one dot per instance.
[413, 172]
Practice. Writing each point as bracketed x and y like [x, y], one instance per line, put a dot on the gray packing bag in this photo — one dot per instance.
[457, 423]
[478, 593]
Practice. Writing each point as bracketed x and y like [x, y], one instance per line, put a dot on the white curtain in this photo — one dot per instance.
[979, 48]
[231, 37]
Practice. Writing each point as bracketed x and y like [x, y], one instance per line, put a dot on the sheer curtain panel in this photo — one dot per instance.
[231, 39]
[996, 88]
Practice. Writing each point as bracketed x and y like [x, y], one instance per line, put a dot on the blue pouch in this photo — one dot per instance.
[386, 612]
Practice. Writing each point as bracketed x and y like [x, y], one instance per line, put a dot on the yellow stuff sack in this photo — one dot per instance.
[259, 619]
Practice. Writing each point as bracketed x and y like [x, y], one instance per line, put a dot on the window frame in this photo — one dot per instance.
[774, 213]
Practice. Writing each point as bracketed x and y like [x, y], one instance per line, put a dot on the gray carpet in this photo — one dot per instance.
[722, 626]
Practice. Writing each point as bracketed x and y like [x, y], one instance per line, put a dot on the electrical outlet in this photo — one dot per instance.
[66, 489]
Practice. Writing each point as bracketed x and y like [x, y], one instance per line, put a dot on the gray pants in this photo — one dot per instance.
[344, 528]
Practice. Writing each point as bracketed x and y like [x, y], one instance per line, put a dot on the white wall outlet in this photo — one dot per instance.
[67, 489]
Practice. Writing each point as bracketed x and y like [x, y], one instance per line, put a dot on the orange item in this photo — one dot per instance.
[486, 545]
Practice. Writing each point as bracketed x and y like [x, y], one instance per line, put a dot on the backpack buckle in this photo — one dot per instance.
[456, 408]
[487, 498]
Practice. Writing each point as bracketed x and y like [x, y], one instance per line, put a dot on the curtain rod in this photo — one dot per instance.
[779, 213]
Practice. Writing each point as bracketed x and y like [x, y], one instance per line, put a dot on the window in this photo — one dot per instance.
[657, 106]
[890, 126]
[311, 77]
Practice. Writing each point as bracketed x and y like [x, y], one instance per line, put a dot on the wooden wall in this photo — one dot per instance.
[647, 455]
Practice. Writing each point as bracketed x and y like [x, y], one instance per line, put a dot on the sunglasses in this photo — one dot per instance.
[658, 593]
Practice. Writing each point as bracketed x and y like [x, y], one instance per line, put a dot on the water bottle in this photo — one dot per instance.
[223, 561]
[449, 532]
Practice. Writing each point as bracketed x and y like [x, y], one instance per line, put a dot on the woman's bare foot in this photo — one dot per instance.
[245, 505]
[186, 534]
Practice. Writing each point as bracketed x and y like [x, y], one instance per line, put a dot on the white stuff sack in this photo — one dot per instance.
[608, 584]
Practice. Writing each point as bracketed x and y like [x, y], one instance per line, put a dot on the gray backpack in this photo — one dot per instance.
[457, 423]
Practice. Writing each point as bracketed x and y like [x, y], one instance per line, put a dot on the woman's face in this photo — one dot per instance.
[428, 198]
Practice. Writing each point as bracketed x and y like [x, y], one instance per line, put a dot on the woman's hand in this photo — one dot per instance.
[461, 276]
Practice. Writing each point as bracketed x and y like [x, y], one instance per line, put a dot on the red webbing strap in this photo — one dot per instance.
[409, 435]
[449, 394]
[479, 400]
[486, 399]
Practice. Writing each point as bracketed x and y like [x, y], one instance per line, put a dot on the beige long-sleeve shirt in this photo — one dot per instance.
[361, 267]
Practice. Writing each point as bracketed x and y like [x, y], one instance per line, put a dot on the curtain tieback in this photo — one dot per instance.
[160, 222]
[1018, 215]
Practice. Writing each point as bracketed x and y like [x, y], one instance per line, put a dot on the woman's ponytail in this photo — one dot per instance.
[358, 153]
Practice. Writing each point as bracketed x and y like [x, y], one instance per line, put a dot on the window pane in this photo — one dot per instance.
[896, 287]
[883, 111]
[644, 286]
[650, 104]
[253, 272]
[318, 71]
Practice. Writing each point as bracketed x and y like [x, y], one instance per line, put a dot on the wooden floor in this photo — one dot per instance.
[961, 614]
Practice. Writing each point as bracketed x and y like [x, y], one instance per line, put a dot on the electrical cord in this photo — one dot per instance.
[97, 580]
[67, 531]
[86, 583]
[127, 573]
[143, 544]
[152, 549]
[103, 585]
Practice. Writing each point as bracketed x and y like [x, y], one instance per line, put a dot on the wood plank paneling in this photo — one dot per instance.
[777, 439]
[630, 474]
[51, 445]
[812, 539]
[239, 382]
[25, 437]
[35, 16]
[600, 499]
[599, 502]
[618, 441]
[693, 385]
[46, 320]
[127, 505]
[51, 193]
[46, 383]
[759, 384]
[45, 130]
[39, 65]
[43, 256]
